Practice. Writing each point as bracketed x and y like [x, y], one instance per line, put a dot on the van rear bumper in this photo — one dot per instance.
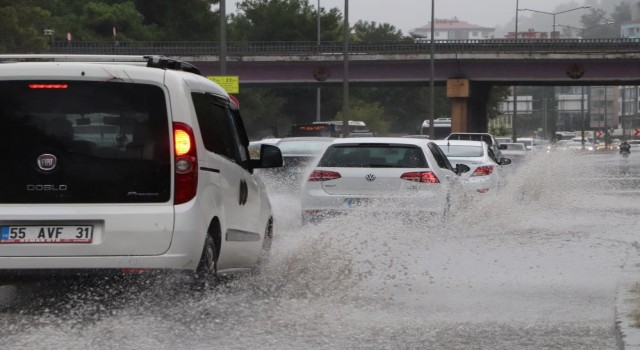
[87, 263]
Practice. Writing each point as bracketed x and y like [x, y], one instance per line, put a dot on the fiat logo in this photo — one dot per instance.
[370, 177]
[47, 162]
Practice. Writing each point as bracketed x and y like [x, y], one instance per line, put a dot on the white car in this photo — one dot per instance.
[380, 174]
[486, 170]
[527, 141]
[502, 140]
[577, 146]
[516, 152]
[126, 163]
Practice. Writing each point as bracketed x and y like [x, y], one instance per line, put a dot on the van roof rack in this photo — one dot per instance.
[154, 61]
[170, 63]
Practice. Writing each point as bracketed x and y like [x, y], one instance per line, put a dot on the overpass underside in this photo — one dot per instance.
[476, 72]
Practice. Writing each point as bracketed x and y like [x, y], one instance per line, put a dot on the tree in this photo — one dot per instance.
[593, 24]
[372, 31]
[496, 97]
[22, 29]
[371, 114]
[100, 18]
[181, 20]
[262, 113]
[283, 20]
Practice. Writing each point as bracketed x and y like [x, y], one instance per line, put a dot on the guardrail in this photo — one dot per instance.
[304, 48]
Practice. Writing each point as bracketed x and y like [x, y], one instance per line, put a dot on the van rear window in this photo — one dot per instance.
[101, 142]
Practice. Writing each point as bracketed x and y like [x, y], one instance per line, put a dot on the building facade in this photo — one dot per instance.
[453, 29]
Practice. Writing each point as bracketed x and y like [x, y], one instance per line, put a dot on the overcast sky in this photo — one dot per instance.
[409, 14]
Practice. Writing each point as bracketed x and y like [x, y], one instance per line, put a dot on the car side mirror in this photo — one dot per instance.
[505, 161]
[461, 168]
[270, 157]
[502, 146]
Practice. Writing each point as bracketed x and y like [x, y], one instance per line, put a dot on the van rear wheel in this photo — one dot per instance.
[206, 273]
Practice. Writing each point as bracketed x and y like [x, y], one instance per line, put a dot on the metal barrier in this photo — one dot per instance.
[310, 48]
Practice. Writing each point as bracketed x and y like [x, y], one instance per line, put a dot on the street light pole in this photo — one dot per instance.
[432, 131]
[318, 89]
[514, 117]
[582, 113]
[223, 37]
[345, 78]
[557, 13]
[582, 30]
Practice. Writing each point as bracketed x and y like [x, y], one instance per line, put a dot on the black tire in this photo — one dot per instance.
[265, 253]
[205, 275]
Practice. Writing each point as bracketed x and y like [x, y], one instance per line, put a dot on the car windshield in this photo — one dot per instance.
[374, 155]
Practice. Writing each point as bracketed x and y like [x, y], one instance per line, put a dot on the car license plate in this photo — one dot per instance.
[46, 234]
[356, 202]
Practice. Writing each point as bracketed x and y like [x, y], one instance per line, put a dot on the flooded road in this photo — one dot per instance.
[534, 265]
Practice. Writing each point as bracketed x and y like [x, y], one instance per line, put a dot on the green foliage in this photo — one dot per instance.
[500, 131]
[498, 95]
[594, 23]
[262, 113]
[94, 20]
[100, 18]
[372, 31]
[283, 20]
[180, 20]
[21, 29]
[371, 114]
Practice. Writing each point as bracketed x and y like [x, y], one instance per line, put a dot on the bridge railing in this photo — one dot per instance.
[309, 48]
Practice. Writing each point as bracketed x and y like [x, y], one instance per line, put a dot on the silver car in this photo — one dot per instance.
[486, 169]
[380, 174]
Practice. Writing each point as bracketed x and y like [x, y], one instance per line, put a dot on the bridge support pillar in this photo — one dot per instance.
[458, 92]
[478, 120]
[468, 105]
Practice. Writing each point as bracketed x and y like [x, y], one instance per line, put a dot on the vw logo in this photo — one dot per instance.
[47, 162]
[370, 177]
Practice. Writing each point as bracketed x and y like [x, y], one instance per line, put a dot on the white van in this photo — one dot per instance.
[140, 163]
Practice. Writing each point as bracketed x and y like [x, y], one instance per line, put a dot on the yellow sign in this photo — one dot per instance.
[231, 83]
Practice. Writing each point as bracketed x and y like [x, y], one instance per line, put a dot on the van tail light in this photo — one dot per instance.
[186, 163]
[48, 86]
[421, 176]
[483, 170]
[321, 175]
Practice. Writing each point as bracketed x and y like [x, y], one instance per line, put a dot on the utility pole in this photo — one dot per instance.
[514, 118]
[318, 89]
[432, 131]
[223, 37]
[345, 78]
[582, 113]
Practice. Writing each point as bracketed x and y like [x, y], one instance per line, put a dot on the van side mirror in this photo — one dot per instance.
[270, 157]
[461, 168]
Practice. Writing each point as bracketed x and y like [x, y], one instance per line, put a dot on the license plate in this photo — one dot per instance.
[46, 234]
[356, 202]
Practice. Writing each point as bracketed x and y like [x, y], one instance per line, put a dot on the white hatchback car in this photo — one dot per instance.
[382, 174]
[486, 170]
[120, 163]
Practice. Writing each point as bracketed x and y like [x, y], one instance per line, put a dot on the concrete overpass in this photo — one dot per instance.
[469, 67]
